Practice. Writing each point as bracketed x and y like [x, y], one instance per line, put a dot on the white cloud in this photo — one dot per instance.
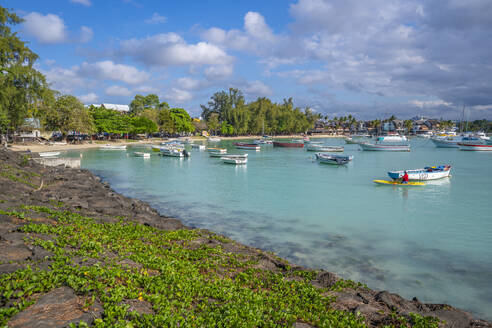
[46, 29]
[218, 71]
[156, 19]
[178, 95]
[111, 71]
[429, 103]
[86, 34]
[169, 49]
[89, 98]
[64, 80]
[82, 2]
[116, 90]
[256, 89]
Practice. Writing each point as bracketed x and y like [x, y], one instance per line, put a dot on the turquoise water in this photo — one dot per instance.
[432, 242]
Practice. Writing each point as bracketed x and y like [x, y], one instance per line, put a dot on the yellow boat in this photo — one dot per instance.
[397, 183]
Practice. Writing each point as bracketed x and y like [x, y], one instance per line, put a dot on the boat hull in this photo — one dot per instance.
[288, 144]
[445, 143]
[469, 147]
[324, 148]
[140, 154]
[374, 147]
[112, 147]
[400, 184]
[234, 160]
[422, 174]
[333, 159]
[49, 154]
[247, 146]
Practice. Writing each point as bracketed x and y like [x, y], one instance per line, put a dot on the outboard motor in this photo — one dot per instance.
[185, 153]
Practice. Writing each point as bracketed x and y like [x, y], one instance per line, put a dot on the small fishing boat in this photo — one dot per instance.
[289, 144]
[478, 147]
[217, 154]
[217, 150]
[232, 159]
[213, 139]
[113, 147]
[400, 184]
[156, 148]
[49, 154]
[242, 145]
[174, 152]
[380, 147]
[198, 146]
[141, 154]
[323, 148]
[391, 138]
[446, 142]
[333, 159]
[262, 142]
[427, 173]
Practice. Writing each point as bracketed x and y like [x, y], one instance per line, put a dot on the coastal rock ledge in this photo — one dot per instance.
[57, 272]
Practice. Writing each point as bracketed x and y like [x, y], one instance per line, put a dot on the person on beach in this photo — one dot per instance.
[404, 178]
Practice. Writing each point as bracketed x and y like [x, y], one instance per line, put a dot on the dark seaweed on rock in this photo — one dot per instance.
[74, 252]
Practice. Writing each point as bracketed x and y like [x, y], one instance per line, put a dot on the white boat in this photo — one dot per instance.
[231, 159]
[427, 173]
[213, 139]
[263, 142]
[217, 154]
[217, 150]
[333, 159]
[248, 146]
[353, 140]
[391, 138]
[446, 142]
[198, 146]
[58, 143]
[141, 154]
[380, 147]
[49, 154]
[323, 148]
[113, 147]
[174, 152]
[477, 147]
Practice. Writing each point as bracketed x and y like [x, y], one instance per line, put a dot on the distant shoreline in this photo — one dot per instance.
[37, 148]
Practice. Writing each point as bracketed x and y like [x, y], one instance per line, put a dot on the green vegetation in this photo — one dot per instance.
[187, 283]
[228, 113]
[18, 175]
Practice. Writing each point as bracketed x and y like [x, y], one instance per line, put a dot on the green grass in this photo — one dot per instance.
[188, 284]
[18, 175]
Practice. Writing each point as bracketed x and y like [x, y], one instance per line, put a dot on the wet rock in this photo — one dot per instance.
[454, 318]
[366, 309]
[10, 267]
[142, 307]
[58, 308]
[325, 279]
[395, 302]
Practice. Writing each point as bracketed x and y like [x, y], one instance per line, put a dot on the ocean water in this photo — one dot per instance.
[432, 242]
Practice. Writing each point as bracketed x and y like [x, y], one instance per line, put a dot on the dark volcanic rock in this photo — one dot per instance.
[58, 308]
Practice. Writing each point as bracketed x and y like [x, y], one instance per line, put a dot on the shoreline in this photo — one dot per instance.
[82, 190]
[37, 147]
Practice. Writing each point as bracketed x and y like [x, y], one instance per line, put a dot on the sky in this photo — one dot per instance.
[370, 58]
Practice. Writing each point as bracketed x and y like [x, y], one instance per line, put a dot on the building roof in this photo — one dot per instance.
[120, 108]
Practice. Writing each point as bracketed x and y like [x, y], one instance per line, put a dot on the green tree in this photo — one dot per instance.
[142, 125]
[181, 120]
[408, 124]
[213, 123]
[140, 103]
[166, 122]
[21, 86]
[69, 115]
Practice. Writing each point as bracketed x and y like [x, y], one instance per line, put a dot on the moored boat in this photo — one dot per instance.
[242, 145]
[323, 148]
[391, 138]
[174, 152]
[234, 159]
[198, 146]
[213, 139]
[478, 147]
[141, 154]
[217, 154]
[427, 173]
[447, 142]
[49, 154]
[291, 144]
[333, 159]
[217, 150]
[113, 147]
[156, 148]
[380, 147]
[400, 184]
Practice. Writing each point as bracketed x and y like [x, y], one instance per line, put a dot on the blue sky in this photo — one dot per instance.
[369, 58]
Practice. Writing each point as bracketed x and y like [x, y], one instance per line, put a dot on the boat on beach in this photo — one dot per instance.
[323, 148]
[113, 147]
[248, 146]
[141, 154]
[425, 174]
[235, 159]
[477, 147]
[289, 144]
[333, 159]
[49, 154]
[381, 147]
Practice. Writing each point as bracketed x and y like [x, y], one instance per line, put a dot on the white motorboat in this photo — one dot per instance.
[248, 146]
[49, 154]
[113, 147]
[232, 159]
[446, 142]
[333, 159]
[141, 154]
[174, 152]
[427, 173]
[391, 138]
[380, 147]
[323, 148]
[213, 139]
[217, 154]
